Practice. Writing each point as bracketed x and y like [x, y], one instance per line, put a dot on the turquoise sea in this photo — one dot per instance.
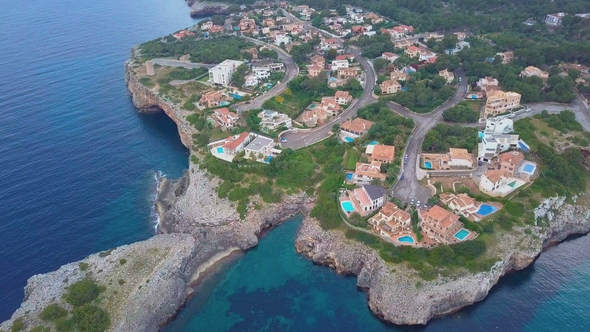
[78, 169]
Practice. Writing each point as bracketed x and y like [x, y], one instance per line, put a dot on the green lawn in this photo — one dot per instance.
[351, 159]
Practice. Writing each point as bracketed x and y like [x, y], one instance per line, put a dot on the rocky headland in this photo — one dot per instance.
[398, 295]
[206, 8]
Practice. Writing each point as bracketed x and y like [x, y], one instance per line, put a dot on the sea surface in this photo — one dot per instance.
[78, 169]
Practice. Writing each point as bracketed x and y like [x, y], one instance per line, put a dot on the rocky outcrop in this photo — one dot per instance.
[398, 295]
[148, 100]
[145, 283]
[201, 9]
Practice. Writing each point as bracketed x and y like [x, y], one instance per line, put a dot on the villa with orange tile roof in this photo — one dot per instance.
[355, 128]
[311, 118]
[405, 44]
[216, 29]
[509, 161]
[210, 99]
[460, 158]
[534, 71]
[183, 33]
[507, 57]
[318, 59]
[343, 97]
[412, 51]
[224, 117]
[381, 153]
[330, 105]
[497, 183]
[499, 102]
[346, 73]
[461, 204]
[364, 173]
[314, 70]
[449, 76]
[389, 87]
[391, 57]
[390, 220]
[440, 224]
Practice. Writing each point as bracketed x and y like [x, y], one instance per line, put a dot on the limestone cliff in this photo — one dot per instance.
[145, 283]
[394, 294]
[148, 100]
[205, 8]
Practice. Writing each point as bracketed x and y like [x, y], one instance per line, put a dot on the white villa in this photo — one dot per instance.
[262, 148]
[493, 144]
[272, 120]
[367, 198]
[221, 74]
[497, 183]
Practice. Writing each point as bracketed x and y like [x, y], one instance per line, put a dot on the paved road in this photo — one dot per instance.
[291, 71]
[301, 138]
[409, 187]
[178, 63]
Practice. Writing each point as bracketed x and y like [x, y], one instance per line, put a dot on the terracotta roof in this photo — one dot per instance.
[459, 154]
[512, 157]
[357, 125]
[388, 54]
[369, 170]
[443, 217]
[494, 175]
[391, 210]
[383, 152]
[234, 142]
[343, 94]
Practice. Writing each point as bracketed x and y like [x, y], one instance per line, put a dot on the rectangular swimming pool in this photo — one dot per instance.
[462, 234]
[529, 169]
[349, 176]
[219, 150]
[428, 164]
[348, 139]
[347, 206]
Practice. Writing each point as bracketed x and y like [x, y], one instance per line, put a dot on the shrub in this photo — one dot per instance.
[82, 292]
[514, 208]
[40, 328]
[83, 266]
[121, 282]
[64, 325]
[428, 272]
[17, 325]
[105, 253]
[122, 261]
[90, 318]
[53, 312]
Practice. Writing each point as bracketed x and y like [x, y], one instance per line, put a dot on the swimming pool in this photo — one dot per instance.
[219, 150]
[348, 139]
[349, 176]
[269, 159]
[529, 168]
[428, 164]
[462, 234]
[523, 147]
[405, 239]
[347, 206]
[373, 143]
[486, 209]
[312, 106]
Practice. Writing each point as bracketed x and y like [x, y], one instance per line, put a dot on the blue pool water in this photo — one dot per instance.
[219, 150]
[349, 176]
[522, 146]
[373, 143]
[405, 239]
[428, 164]
[529, 169]
[347, 206]
[348, 139]
[462, 234]
[269, 158]
[486, 209]
[480, 134]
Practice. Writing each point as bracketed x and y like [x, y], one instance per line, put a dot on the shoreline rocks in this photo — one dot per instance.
[398, 295]
[205, 8]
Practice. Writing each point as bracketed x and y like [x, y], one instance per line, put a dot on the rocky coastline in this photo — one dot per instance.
[393, 292]
[205, 8]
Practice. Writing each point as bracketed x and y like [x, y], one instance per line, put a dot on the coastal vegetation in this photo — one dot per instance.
[462, 112]
[423, 96]
[213, 50]
[442, 137]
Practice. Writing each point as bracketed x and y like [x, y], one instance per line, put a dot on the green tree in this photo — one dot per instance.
[82, 292]
[90, 318]
[239, 76]
[53, 312]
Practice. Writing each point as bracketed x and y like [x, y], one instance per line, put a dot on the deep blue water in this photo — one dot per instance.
[77, 176]
[77, 161]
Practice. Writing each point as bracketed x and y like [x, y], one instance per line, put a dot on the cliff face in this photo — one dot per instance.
[141, 294]
[394, 294]
[205, 8]
[147, 100]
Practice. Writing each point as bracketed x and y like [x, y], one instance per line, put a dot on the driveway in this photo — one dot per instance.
[178, 63]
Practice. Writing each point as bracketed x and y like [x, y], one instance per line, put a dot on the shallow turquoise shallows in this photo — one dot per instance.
[486, 209]
[405, 239]
[462, 234]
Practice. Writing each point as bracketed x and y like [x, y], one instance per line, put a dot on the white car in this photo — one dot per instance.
[418, 204]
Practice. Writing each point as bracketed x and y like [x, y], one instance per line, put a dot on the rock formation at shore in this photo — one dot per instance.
[145, 283]
[394, 294]
[205, 8]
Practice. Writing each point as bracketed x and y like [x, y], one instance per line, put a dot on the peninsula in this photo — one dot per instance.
[427, 164]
